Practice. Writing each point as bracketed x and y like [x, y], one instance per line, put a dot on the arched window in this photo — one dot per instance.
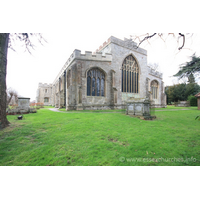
[130, 75]
[95, 82]
[46, 99]
[154, 89]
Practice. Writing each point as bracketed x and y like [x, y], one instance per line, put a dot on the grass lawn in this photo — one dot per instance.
[53, 138]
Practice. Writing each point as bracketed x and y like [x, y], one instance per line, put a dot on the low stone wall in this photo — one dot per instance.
[158, 106]
[182, 104]
[20, 111]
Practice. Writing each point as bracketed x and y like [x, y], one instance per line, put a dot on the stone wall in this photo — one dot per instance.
[120, 49]
[151, 76]
[77, 90]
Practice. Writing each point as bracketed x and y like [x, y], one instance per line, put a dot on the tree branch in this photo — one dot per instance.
[26, 39]
[183, 36]
[146, 38]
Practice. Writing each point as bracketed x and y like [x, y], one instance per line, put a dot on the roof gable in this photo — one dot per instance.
[197, 95]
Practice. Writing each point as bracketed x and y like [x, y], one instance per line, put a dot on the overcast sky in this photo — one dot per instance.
[25, 71]
[86, 25]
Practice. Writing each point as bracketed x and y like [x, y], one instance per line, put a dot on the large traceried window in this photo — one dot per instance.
[95, 82]
[130, 75]
[154, 89]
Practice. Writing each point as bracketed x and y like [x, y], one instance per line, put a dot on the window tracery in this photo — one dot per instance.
[130, 75]
[154, 89]
[95, 82]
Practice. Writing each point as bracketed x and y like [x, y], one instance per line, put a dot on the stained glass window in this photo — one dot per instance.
[93, 86]
[95, 82]
[89, 84]
[98, 86]
[130, 75]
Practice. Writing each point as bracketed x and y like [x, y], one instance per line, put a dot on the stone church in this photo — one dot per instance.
[106, 79]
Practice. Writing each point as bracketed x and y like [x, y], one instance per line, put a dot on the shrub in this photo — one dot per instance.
[39, 105]
[193, 100]
[13, 106]
[33, 105]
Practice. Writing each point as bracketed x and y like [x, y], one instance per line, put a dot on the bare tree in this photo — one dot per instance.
[12, 96]
[179, 37]
[154, 66]
[6, 40]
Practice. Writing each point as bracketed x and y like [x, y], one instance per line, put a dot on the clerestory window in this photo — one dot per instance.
[130, 75]
[95, 82]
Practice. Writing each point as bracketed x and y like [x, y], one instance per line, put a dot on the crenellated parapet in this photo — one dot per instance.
[126, 43]
[104, 45]
[98, 56]
[155, 73]
[44, 85]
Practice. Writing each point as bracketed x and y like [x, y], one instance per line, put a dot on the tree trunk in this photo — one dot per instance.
[4, 37]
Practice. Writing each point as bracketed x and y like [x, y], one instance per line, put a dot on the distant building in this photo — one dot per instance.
[105, 79]
[44, 94]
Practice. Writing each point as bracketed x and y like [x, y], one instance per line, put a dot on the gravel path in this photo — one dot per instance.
[57, 110]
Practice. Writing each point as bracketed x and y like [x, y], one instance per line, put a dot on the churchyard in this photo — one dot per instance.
[96, 138]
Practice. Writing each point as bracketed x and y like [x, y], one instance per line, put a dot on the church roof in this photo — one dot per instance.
[197, 95]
